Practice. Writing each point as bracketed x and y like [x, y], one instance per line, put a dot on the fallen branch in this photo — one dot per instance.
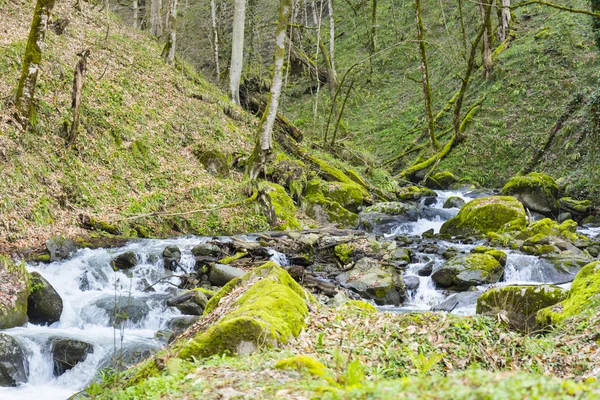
[557, 6]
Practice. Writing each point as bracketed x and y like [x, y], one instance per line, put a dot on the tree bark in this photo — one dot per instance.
[504, 25]
[32, 58]
[374, 27]
[425, 79]
[213, 14]
[488, 65]
[136, 9]
[170, 46]
[237, 50]
[156, 27]
[264, 143]
[78, 82]
[463, 31]
[331, 36]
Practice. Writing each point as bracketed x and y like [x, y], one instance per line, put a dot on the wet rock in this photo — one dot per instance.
[207, 250]
[190, 308]
[372, 281]
[221, 274]
[414, 193]
[127, 309]
[124, 261]
[14, 285]
[578, 208]
[562, 268]
[279, 207]
[215, 163]
[67, 353]
[182, 323]
[519, 305]
[411, 282]
[171, 257]
[429, 201]
[190, 303]
[131, 353]
[441, 180]
[454, 202]
[426, 270]
[428, 234]
[60, 248]
[593, 221]
[458, 301]
[13, 363]
[490, 214]
[383, 217]
[538, 192]
[44, 305]
[463, 272]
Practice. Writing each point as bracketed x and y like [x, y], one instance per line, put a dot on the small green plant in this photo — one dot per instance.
[422, 362]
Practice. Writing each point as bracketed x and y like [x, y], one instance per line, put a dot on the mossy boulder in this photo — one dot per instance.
[382, 217]
[519, 304]
[171, 257]
[454, 202]
[463, 272]
[441, 180]
[290, 174]
[268, 309]
[324, 207]
[124, 261]
[538, 192]
[579, 208]
[281, 210]
[13, 363]
[592, 221]
[14, 291]
[351, 196]
[489, 214]
[215, 163]
[44, 305]
[60, 248]
[302, 363]
[584, 295]
[563, 267]
[373, 281]
[414, 193]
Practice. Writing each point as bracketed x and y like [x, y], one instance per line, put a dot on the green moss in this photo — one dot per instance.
[534, 181]
[584, 295]
[230, 259]
[344, 252]
[414, 193]
[499, 255]
[302, 363]
[441, 180]
[360, 305]
[13, 308]
[491, 214]
[463, 272]
[325, 210]
[270, 312]
[348, 195]
[577, 206]
[540, 232]
[481, 249]
[332, 174]
[282, 206]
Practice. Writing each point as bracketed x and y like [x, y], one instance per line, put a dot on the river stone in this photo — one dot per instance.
[538, 192]
[562, 267]
[124, 261]
[171, 257]
[372, 281]
[67, 353]
[60, 247]
[426, 270]
[488, 214]
[131, 353]
[44, 305]
[221, 274]
[458, 301]
[128, 309]
[206, 250]
[383, 217]
[183, 322]
[519, 304]
[411, 282]
[13, 363]
[454, 202]
[441, 180]
[14, 290]
[463, 272]
[414, 193]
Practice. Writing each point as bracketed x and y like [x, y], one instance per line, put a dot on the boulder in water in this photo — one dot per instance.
[124, 261]
[426, 270]
[441, 180]
[171, 257]
[373, 281]
[584, 295]
[458, 301]
[488, 214]
[518, 305]
[411, 282]
[67, 353]
[463, 272]
[44, 305]
[414, 193]
[538, 192]
[454, 202]
[578, 208]
[13, 363]
[382, 217]
[221, 274]
[60, 248]
[14, 291]
[207, 250]
[593, 221]
[127, 309]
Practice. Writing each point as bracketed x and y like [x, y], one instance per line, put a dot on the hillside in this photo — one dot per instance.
[142, 122]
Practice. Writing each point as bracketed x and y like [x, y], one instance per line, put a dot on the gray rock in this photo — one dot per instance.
[426, 270]
[44, 305]
[206, 250]
[372, 281]
[458, 301]
[221, 274]
[411, 282]
[127, 309]
[130, 354]
[182, 323]
[13, 363]
[383, 217]
[60, 248]
[171, 257]
[124, 261]
[454, 202]
[463, 272]
[561, 268]
[190, 308]
[67, 353]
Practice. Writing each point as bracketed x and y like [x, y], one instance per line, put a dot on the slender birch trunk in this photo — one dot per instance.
[504, 25]
[213, 15]
[487, 38]
[264, 143]
[237, 50]
[155, 18]
[172, 27]
[33, 58]
[425, 77]
[136, 10]
[76, 95]
[331, 37]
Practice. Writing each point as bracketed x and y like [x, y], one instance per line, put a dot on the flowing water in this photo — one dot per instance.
[87, 278]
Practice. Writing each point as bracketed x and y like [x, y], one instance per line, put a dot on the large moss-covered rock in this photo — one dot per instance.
[441, 180]
[67, 353]
[267, 309]
[579, 208]
[290, 174]
[14, 291]
[538, 192]
[44, 306]
[351, 196]
[488, 214]
[215, 163]
[414, 193]
[13, 364]
[373, 281]
[280, 207]
[519, 304]
[463, 272]
[584, 295]
[325, 206]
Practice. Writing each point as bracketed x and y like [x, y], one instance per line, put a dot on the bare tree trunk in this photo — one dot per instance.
[155, 18]
[504, 25]
[213, 14]
[374, 28]
[425, 80]
[32, 58]
[170, 46]
[331, 37]
[78, 82]
[462, 26]
[136, 9]
[237, 50]
[487, 39]
[264, 143]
